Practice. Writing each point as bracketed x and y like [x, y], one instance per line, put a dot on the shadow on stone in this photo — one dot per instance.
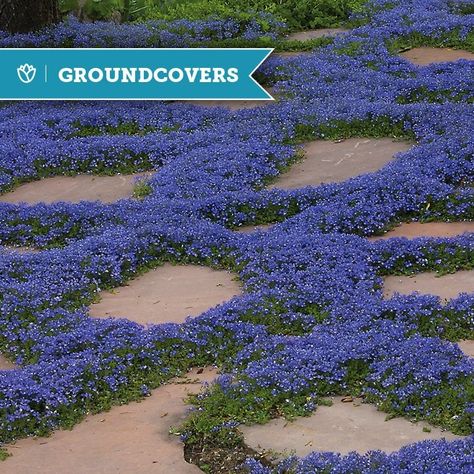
[74, 189]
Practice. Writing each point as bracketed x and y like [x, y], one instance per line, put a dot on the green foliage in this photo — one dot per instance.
[197, 10]
[142, 190]
[4, 454]
[452, 39]
[440, 96]
[298, 14]
[97, 9]
[462, 7]
[104, 9]
[306, 13]
[442, 259]
[123, 128]
[66, 6]
[218, 408]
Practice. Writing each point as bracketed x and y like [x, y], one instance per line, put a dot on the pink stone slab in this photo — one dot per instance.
[169, 293]
[5, 364]
[319, 33]
[446, 286]
[467, 347]
[248, 229]
[342, 428]
[429, 229]
[73, 189]
[328, 162]
[424, 56]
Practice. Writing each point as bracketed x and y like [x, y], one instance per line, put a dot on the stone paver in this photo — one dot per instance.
[248, 229]
[312, 34]
[343, 427]
[425, 55]
[290, 54]
[21, 250]
[129, 439]
[446, 286]
[5, 364]
[169, 293]
[429, 229]
[327, 162]
[73, 189]
[467, 347]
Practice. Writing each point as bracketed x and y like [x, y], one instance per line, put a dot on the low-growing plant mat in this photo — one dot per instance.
[235, 104]
[311, 321]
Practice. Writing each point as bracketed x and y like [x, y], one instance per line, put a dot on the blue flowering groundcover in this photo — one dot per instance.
[311, 321]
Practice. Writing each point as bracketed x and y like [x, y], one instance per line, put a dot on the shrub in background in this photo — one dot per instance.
[298, 14]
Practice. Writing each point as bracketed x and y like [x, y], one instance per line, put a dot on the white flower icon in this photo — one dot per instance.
[26, 73]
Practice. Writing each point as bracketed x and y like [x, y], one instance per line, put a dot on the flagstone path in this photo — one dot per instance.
[446, 286]
[328, 162]
[74, 189]
[411, 230]
[342, 428]
[169, 293]
[319, 33]
[129, 439]
[425, 55]
[5, 364]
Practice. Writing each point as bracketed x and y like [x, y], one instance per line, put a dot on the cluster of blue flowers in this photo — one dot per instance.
[150, 34]
[312, 319]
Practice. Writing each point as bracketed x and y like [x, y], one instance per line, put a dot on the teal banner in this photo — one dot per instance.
[137, 74]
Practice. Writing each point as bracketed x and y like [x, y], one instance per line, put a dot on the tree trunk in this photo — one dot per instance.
[21, 16]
